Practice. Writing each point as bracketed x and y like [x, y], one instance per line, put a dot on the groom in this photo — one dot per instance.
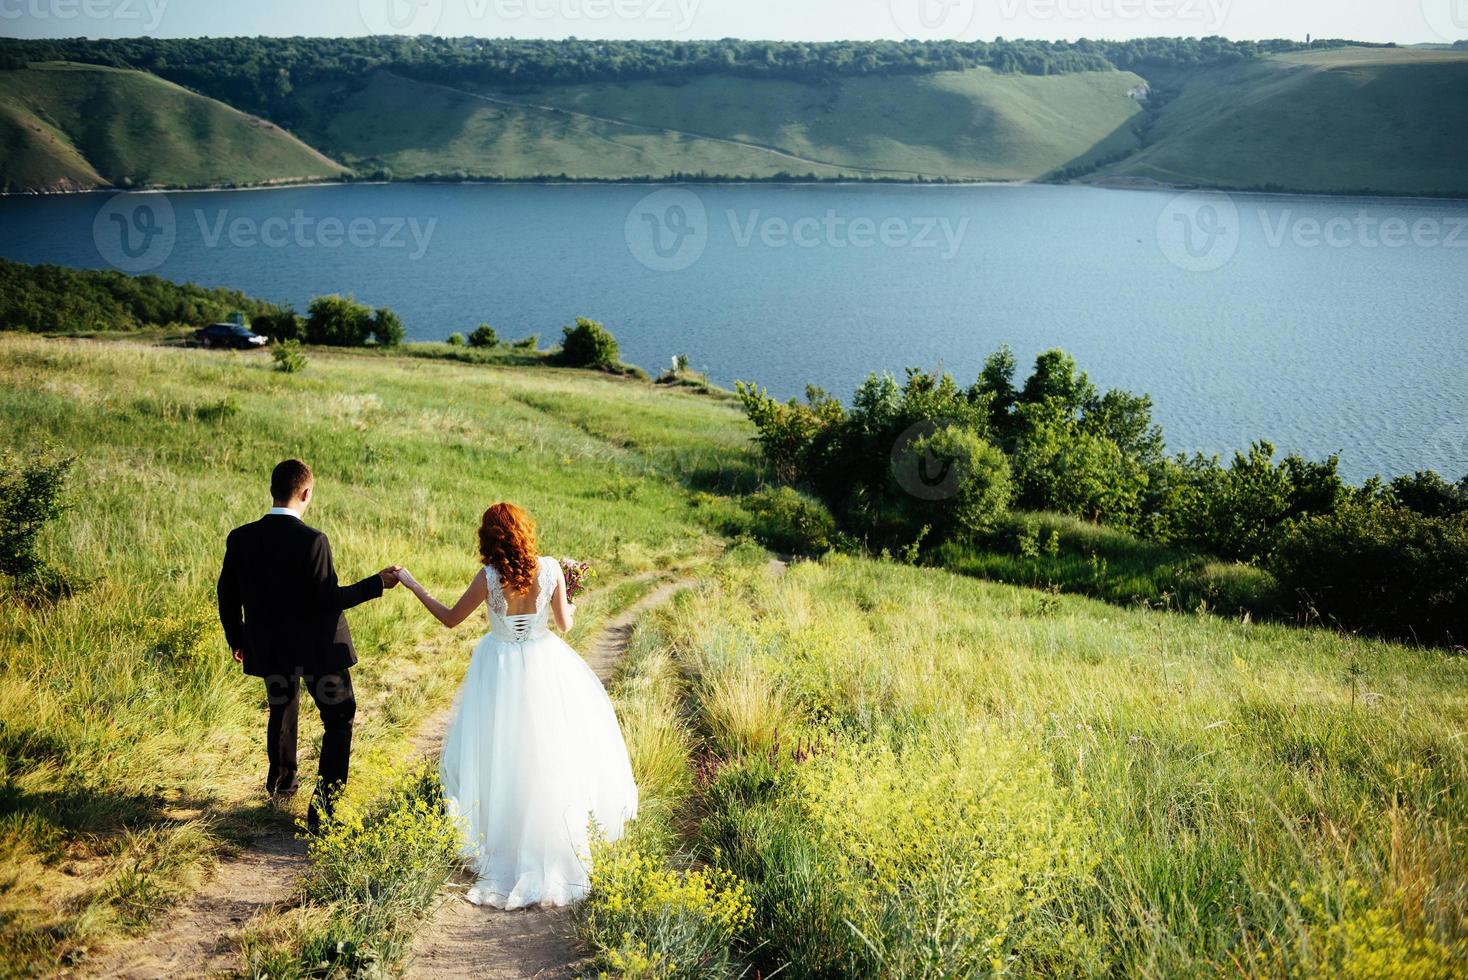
[281, 609]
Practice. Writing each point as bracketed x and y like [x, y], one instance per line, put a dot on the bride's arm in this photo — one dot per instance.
[473, 597]
[561, 607]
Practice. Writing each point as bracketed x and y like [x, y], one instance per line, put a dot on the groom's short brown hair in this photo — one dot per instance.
[287, 480]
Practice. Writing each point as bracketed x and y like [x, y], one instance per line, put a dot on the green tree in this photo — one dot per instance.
[483, 336]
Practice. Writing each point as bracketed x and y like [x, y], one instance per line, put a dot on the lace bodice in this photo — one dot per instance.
[522, 626]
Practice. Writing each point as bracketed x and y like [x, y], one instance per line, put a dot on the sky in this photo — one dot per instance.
[1404, 21]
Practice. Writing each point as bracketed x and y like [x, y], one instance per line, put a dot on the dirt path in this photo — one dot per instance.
[198, 939]
[463, 940]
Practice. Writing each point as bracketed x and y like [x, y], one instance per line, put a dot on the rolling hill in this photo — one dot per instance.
[1388, 121]
[976, 124]
[73, 127]
[1323, 120]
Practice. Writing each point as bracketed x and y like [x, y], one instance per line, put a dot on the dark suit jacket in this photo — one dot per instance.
[279, 600]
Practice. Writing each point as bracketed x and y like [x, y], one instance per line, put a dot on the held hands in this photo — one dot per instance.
[406, 577]
[390, 577]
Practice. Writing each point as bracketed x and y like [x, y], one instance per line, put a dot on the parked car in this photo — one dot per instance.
[233, 335]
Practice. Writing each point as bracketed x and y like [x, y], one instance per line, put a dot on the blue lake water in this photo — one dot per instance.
[1323, 324]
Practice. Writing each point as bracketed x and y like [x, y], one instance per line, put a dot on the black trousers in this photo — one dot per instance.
[338, 706]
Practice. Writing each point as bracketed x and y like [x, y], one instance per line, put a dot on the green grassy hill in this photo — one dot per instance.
[1378, 120]
[68, 126]
[1067, 786]
[975, 124]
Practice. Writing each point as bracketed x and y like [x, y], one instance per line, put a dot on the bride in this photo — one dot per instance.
[533, 753]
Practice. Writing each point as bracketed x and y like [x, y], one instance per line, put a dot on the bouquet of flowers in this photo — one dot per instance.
[577, 573]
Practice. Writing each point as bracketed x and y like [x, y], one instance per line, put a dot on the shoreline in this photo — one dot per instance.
[1106, 184]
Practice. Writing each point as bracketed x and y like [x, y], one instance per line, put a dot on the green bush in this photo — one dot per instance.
[981, 489]
[456, 339]
[1382, 568]
[589, 344]
[340, 321]
[529, 342]
[288, 356]
[54, 298]
[30, 498]
[902, 459]
[387, 328]
[1239, 512]
[787, 520]
[1060, 465]
[1429, 494]
[278, 324]
[483, 336]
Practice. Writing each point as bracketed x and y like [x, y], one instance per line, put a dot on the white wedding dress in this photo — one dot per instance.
[533, 754]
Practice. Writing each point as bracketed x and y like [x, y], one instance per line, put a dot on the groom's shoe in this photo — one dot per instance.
[281, 782]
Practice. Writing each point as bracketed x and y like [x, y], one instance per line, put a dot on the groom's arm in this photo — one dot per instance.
[231, 606]
[331, 597]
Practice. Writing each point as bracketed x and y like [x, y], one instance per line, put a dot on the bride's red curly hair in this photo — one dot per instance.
[507, 544]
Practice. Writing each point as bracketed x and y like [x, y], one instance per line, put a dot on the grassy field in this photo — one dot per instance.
[914, 773]
[80, 126]
[858, 768]
[131, 743]
[975, 124]
[1380, 120]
